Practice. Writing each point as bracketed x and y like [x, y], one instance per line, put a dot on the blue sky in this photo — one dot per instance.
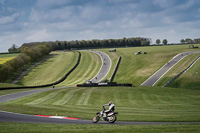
[50, 20]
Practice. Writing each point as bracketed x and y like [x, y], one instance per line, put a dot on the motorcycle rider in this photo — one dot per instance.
[111, 108]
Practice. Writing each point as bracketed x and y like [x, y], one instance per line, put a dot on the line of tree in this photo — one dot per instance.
[28, 54]
[164, 41]
[190, 41]
[95, 43]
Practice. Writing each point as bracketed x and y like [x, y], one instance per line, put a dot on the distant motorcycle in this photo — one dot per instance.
[111, 117]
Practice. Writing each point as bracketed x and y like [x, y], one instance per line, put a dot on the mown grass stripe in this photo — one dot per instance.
[65, 99]
[48, 96]
[84, 74]
[49, 71]
[83, 100]
[87, 69]
[132, 103]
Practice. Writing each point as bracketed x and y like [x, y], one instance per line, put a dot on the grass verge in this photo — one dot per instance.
[190, 79]
[132, 103]
[185, 62]
[80, 128]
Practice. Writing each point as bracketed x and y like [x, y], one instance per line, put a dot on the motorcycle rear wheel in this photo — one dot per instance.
[112, 119]
[95, 119]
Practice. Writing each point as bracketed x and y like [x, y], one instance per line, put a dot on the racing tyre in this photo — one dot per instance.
[95, 119]
[112, 119]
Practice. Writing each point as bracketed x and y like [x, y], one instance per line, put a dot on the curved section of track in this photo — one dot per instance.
[151, 81]
[105, 68]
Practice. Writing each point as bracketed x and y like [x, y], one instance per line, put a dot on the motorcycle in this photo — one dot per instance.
[111, 117]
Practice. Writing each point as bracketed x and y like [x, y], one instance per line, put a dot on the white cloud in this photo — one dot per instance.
[120, 1]
[8, 19]
[52, 15]
[186, 5]
[167, 20]
[37, 35]
[90, 12]
[162, 3]
[43, 4]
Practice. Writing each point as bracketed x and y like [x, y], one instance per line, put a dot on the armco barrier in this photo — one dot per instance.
[51, 84]
[113, 75]
[175, 77]
[103, 84]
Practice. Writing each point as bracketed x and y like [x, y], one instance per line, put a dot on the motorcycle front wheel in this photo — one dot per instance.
[112, 119]
[95, 119]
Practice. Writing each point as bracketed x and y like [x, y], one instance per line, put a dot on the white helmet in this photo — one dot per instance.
[110, 102]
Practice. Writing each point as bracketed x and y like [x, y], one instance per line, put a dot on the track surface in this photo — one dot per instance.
[151, 81]
[105, 68]
[14, 117]
[22, 118]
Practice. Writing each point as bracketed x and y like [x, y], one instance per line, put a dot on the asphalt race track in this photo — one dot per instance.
[151, 81]
[22, 118]
[105, 68]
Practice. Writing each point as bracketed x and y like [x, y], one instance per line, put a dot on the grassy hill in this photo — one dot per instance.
[190, 79]
[132, 103]
[51, 70]
[133, 68]
[136, 69]
[87, 69]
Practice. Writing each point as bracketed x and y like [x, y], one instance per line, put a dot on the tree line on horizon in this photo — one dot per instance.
[182, 41]
[95, 43]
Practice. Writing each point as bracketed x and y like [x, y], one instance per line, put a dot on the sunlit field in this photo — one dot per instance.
[6, 57]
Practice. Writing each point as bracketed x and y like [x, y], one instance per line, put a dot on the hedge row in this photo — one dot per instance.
[28, 54]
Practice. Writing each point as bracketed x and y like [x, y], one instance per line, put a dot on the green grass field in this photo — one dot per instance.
[190, 79]
[7, 57]
[192, 76]
[51, 70]
[132, 103]
[87, 69]
[80, 128]
[136, 69]
[8, 85]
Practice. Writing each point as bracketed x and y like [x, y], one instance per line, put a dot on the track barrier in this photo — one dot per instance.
[101, 84]
[116, 68]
